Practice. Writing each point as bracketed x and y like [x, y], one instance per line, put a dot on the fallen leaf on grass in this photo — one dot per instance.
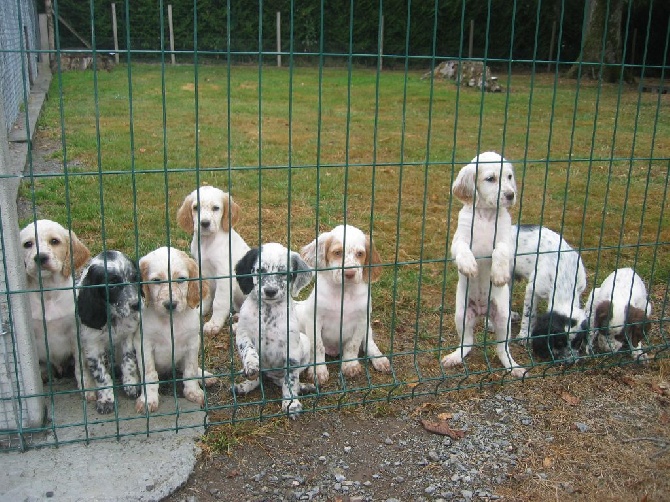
[570, 399]
[548, 462]
[628, 380]
[443, 429]
[445, 416]
[234, 473]
[659, 388]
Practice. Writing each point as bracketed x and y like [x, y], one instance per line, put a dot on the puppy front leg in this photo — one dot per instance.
[500, 269]
[379, 362]
[248, 353]
[147, 370]
[129, 371]
[317, 352]
[192, 372]
[291, 389]
[350, 349]
[220, 308]
[465, 260]
[98, 364]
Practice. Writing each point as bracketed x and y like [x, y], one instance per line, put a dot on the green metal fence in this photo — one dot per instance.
[372, 139]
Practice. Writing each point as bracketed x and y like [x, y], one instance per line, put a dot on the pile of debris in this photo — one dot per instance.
[81, 61]
[466, 73]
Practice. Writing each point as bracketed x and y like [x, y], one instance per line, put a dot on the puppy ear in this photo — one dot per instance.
[243, 269]
[637, 319]
[80, 255]
[194, 293]
[372, 258]
[316, 251]
[91, 306]
[301, 274]
[464, 186]
[603, 314]
[184, 216]
[144, 277]
[230, 206]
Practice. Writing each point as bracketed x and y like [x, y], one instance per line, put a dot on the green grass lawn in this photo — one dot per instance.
[299, 151]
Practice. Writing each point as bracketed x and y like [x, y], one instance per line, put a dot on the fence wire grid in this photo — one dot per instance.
[338, 138]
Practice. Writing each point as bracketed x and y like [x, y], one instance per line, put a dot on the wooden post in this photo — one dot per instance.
[278, 39]
[115, 33]
[381, 44]
[472, 38]
[551, 45]
[50, 29]
[29, 57]
[172, 56]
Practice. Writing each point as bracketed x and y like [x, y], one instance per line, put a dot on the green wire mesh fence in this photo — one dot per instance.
[354, 115]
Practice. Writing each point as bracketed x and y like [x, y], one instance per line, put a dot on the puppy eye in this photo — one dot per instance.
[54, 242]
[491, 179]
[360, 254]
[509, 176]
[337, 252]
[28, 244]
[195, 207]
[156, 279]
[263, 270]
[215, 208]
[181, 278]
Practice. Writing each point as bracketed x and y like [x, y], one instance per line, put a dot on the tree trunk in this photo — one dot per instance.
[593, 50]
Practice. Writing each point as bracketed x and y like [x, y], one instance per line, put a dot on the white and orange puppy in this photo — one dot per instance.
[51, 254]
[619, 310]
[336, 316]
[170, 325]
[482, 250]
[209, 214]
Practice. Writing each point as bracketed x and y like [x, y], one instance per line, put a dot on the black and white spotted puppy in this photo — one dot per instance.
[271, 275]
[108, 306]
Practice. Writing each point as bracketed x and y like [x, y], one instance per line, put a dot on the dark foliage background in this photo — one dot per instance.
[504, 30]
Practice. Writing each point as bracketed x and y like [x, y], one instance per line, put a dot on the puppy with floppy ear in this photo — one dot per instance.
[108, 308]
[619, 310]
[271, 275]
[49, 252]
[209, 214]
[482, 251]
[346, 262]
[170, 325]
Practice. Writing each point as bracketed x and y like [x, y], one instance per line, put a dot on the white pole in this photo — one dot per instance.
[115, 33]
[172, 56]
[278, 39]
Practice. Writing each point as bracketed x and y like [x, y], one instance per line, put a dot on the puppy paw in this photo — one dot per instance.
[195, 395]
[518, 372]
[381, 364]
[91, 396]
[151, 404]
[514, 317]
[132, 390]
[467, 265]
[351, 369]
[306, 388]
[104, 407]
[500, 274]
[451, 360]
[252, 369]
[292, 408]
[321, 374]
[212, 327]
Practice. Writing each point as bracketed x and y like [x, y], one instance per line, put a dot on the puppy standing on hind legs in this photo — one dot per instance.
[284, 350]
[487, 188]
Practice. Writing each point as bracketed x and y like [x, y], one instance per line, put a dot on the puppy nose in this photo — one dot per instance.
[270, 291]
[135, 306]
[205, 223]
[41, 258]
[349, 274]
[509, 196]
[170, 305]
